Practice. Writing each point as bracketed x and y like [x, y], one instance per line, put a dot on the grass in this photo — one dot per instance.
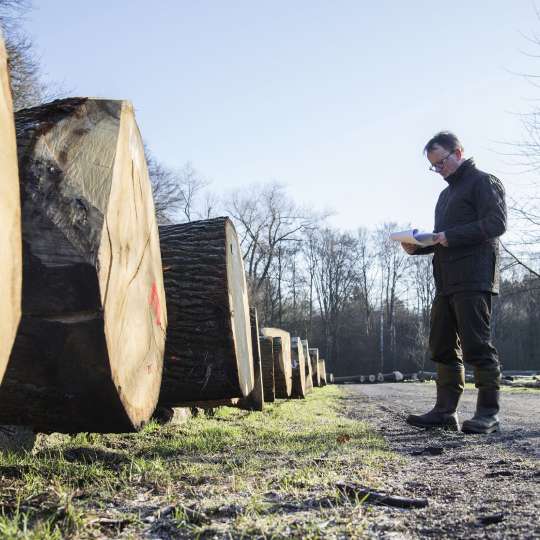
[237, 474]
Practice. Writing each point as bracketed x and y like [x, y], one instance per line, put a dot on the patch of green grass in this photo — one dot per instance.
[271, 474]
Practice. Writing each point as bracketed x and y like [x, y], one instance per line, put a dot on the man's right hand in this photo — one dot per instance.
[409, 248]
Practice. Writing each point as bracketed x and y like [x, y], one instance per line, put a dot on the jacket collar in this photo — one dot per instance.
[458, 174]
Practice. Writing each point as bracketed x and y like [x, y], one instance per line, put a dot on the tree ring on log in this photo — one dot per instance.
[88, 355]
[10, 220]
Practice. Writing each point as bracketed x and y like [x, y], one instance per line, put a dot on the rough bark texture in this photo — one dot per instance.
[89, 350]
[10, 220]
[267, 366]
[208, 353]
[307, 366]
[282, 361]
[322, 371]
[314, 358]
[298, 369]
[255, 400]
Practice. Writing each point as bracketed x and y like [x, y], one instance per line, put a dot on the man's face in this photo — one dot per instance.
[444, 162]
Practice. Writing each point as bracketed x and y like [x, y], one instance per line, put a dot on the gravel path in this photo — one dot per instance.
[478, 486]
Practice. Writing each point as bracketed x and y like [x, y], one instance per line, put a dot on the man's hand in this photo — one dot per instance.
[409, 248]
[440, 238]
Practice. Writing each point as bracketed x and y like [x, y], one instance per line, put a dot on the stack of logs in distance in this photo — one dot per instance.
[107, 317]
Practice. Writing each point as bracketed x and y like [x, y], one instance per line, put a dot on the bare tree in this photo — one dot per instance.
[366, 275]
[176, 192]
[26, 81]
[392, 263]
[167, 198]
[266, 219]
[423, 285]
[335, 261]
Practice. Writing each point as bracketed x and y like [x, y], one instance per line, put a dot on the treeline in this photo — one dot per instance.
[355, 295]
[358, 296]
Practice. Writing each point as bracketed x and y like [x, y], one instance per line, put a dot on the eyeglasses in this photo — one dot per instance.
[439, 166]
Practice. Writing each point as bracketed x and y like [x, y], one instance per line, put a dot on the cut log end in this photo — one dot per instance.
[131, 277]
[240, 317]
[298, 369]
[10, 220]
[282, 359]
[256, 398]
[89, 350]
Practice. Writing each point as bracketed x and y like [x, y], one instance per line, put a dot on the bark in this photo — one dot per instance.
[322, 371]
[267, 366]
[89, 350]
[314, 359]
[208, 353]
[282, 361]
[255, 400]
[298, 369]
[10, 220]
[307, 365]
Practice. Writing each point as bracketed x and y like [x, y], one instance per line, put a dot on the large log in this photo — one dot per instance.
[254, 401]
[314, 358]
[394, 376]
[208, 352]
[298, 369]
[282, 361]
[307, 364]
[89, 350]
[267, 366]
[322, 371]
[10, 220]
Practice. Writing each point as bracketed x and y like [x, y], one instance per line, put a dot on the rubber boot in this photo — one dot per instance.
[450, 384]
[485, 419]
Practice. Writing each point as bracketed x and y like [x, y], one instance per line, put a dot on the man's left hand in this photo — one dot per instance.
[440, 238]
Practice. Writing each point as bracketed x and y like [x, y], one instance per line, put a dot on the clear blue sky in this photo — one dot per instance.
[335, 99]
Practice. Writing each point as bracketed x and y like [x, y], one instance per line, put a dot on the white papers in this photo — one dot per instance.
[414, 236]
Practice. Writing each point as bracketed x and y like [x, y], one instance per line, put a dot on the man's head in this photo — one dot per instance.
[445, 153]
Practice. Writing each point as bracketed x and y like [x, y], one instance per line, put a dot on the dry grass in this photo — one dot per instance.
[236, 474]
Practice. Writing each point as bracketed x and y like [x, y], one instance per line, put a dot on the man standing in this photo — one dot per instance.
[469, 217]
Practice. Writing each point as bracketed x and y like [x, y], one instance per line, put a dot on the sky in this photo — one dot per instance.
[334, 99]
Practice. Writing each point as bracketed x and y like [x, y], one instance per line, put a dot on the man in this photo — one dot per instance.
[469, 217]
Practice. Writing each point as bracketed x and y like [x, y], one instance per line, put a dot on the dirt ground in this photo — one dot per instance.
[477, 486]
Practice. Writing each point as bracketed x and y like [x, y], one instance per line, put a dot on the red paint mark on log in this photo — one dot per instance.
[155, 304]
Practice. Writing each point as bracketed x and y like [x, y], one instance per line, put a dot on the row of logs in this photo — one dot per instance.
[394, 376]
[107, 316]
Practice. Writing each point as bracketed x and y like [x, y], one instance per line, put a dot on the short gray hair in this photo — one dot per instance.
[446, 139]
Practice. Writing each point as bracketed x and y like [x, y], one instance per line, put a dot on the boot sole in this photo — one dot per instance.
[479, 431]
[448, 427]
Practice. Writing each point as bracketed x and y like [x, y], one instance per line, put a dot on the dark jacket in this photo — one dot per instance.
[471, 211]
